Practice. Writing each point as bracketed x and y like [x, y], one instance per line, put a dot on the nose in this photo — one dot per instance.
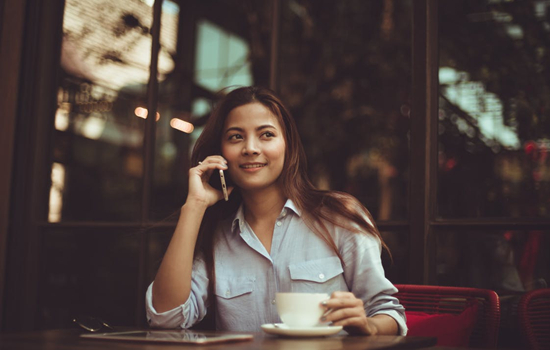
[251, 147]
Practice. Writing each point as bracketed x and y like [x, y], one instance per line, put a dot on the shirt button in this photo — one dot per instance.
[284, 212]
[279, 223]
[227, 293]
[273, 301]
[321, 276]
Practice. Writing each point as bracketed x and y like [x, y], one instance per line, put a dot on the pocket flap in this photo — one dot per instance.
[228, 288]
[320, 270]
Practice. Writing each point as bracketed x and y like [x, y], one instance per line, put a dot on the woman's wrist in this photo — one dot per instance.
[194, 204]
[371, 328]
[381, 324]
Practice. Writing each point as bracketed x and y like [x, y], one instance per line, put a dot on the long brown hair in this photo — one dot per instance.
[317, 207]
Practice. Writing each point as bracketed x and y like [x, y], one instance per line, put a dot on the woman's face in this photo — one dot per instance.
[253, 144]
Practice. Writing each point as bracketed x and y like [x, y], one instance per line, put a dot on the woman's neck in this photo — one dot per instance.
[263, 205]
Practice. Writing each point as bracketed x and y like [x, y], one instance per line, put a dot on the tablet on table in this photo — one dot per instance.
[171, 336]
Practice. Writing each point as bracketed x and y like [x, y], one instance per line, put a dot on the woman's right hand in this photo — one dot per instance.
[200, 190]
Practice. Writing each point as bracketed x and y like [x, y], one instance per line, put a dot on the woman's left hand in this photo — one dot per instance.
[344, 309]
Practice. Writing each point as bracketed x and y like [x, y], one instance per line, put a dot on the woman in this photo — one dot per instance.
[276, 232]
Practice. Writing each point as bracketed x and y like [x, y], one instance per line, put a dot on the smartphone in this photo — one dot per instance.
[224, 185]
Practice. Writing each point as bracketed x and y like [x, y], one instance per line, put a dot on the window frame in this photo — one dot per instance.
[34, 118]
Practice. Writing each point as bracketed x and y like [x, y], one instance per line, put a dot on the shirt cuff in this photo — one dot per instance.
[168, 319]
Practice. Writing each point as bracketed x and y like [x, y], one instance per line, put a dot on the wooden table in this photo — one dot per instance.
[69, 339]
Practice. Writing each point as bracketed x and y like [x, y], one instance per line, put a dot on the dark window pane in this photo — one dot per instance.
[345, 72]
[494, 115]
[504, 261]
[88, 272]
[396, 267]
[157, 245]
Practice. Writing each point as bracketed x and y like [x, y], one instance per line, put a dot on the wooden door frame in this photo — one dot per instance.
[32, 115]
[12, 19]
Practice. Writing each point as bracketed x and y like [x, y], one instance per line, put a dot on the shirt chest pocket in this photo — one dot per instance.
[320, 275]
[234, 297]
[229, 288]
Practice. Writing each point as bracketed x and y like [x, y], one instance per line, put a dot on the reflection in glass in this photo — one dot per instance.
[504, 261]
[109, 43]
[345, 74]
[222, 58]
[98, 140]
[494, 116]
[56, 192]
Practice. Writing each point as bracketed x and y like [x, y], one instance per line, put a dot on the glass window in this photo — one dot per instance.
[505, 261]
[510, 262]
[157, 244]
[90, 272]
[345, 72]
[97, 147]
[226, 45]
[222, 58]
[494, 115]
[396, 265]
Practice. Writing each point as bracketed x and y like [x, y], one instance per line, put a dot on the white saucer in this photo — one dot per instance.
[317, 331]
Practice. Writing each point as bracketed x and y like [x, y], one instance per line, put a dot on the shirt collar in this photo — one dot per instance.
[238, 220]
[290, 205]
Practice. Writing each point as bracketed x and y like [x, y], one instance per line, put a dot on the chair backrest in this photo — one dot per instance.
[454, 300]
[534, 318]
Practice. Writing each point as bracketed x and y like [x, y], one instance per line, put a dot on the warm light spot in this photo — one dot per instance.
[62, 116]
[182, 125]
[93, 126]
[143, 112]
[56, 192]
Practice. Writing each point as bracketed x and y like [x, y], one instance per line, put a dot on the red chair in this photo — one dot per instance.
[534, 318]
[436, 300]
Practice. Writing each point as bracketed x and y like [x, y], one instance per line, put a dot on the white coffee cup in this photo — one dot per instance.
[299, 310]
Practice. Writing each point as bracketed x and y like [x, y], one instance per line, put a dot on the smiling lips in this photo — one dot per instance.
[253, 165]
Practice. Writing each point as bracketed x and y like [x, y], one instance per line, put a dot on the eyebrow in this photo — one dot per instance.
[259, 128]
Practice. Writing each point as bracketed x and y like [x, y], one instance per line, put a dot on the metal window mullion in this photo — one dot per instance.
[150, 122]
[495, 224]
[10, 60]
[423, 142]
[148, 154]
[275, 44]
[432, 121]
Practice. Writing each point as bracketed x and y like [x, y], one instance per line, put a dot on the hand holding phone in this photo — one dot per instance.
[224, 186]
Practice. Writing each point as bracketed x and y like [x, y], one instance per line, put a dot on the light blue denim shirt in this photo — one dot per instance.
[247, 276]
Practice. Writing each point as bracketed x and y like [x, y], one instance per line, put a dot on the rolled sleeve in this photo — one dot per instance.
[187, 314]
[390, 306]
[169, 319]
[366, 279]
